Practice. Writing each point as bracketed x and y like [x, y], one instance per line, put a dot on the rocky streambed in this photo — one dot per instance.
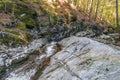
[21, 58]
[79, 58]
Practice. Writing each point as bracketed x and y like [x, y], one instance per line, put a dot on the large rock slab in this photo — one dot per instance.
[83, 59]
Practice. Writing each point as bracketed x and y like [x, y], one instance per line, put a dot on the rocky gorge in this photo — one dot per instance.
[42, 40]
[79, 58]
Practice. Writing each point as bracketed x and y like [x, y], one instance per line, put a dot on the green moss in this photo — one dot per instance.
[14, 37]
[30, 23]
[11, 31]
[20, 25]
[2, 70]
[23, 12]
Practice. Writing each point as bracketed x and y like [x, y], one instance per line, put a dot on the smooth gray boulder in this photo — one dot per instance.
[83, 59]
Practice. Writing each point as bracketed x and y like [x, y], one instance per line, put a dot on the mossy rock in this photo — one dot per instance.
[22, 60]
[25, 13]
[18, 62]
[29, 22]
[13, 37]
[111, 29]
[2, 70]
[21, 25]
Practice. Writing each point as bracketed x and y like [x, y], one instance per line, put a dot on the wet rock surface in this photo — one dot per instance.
[30, 70]
[26, 62]
[11, 57]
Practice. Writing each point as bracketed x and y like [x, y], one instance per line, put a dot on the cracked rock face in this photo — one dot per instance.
[8, 55]
[80, 59]
[20, 63]
[83, 59]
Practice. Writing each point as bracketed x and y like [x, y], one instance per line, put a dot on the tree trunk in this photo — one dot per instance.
[5, 7]
[96, 9]
[91, 4]
[117, 20]
[87, 5]
[102, 10]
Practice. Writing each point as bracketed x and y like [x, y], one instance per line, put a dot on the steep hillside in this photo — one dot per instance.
[23, 21]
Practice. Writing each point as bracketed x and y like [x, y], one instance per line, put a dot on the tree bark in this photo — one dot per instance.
[91, 4]
[96, 9]
[117, 20]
